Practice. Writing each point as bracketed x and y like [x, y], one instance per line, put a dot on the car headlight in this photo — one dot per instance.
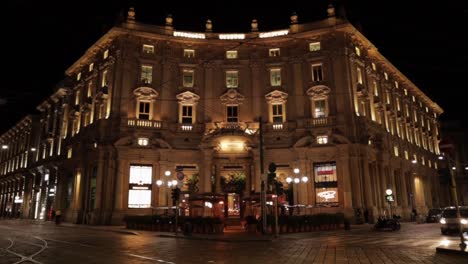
[464, 221]
[442, 221]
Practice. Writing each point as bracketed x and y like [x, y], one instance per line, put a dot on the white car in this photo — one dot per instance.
[449, 222]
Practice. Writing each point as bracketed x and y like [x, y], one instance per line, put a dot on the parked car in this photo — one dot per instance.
[448, 221]
[434, 215]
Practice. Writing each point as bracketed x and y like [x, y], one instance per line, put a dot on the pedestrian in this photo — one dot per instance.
[414, 214]
[58, 216]
[366, 216]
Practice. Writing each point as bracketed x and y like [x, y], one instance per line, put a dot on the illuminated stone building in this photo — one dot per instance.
[148, 99]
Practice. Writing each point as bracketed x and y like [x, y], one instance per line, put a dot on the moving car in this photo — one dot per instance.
[449, 222]
[434, 215]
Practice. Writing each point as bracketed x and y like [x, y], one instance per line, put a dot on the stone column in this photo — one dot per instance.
[218, 176]
[248, 180]
[356, 181]
[205, 170]
[257, 177]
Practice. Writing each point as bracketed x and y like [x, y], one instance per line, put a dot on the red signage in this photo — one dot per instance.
[325, 172]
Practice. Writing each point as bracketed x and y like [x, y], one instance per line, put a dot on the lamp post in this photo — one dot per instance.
[389, 197]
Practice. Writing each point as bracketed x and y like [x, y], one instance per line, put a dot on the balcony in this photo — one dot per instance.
[144, 123]
[190, 128]
[319, 122]
[277, 127]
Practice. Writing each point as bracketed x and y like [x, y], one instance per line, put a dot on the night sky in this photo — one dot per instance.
[40, 39]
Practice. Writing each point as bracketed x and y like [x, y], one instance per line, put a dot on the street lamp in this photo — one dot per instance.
[4, 146]
[389, 198]
[296, 180]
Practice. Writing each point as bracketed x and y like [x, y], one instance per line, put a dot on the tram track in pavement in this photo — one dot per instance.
[28, 257]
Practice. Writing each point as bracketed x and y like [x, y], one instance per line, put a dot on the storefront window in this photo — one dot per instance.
[326, 184]
[139, 194]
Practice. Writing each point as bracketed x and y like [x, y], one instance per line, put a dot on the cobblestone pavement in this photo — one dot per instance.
[27, 242]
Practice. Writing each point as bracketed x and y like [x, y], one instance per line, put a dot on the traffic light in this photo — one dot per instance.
[279, 188]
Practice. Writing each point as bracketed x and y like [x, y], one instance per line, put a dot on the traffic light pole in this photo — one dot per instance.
[275, 206]
[262, 172]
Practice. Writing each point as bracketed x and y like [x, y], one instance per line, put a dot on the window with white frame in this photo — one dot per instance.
[187, 114]
[277, 113]
[189, 53]
[149, 49]
[320, 108]
[146, 74]
[144, 110]
[232, 113]
[140, 180]
[232, 79]
[274, 52]
[187, 78]
[275, 77]
[231, 54]
[326, 184]
[314, 46]
[322, 139]
[317, 72]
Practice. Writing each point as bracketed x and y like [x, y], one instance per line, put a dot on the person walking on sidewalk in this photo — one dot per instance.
[58, 216]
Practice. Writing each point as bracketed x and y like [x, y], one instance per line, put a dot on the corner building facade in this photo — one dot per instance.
[148, 99]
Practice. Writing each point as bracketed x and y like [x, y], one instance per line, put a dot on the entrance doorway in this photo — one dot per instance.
[233, 205]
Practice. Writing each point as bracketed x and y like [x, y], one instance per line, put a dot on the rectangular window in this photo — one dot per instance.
[231, 54]
[91, 67]
[395, 151]
[374, 67]
[314, 46]
[359, 75]
[144, 110]
[77, 97]
[187, 78]
[319, 108]
[78, 76]
[385, 76]
[149, 49]
[146, 74]
[326, 184]
[274, 52]
[376, 89]
[232, 79]
[317, 72]
[396, 85]
[277, 112]
[189, 53]
[140, 180]
[357, 50]
[232, 113]
[322, 139]
[275, 77]
[106, 54]
[104, 78]
[398, 106]
[187, 114]
[89, 93]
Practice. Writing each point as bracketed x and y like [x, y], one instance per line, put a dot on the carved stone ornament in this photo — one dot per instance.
[145, 93]
[318, 92]
[232, 96]
[276, 97]
[188, 98]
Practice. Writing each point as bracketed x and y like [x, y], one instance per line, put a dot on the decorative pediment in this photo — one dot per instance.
[188, 98]
[232, 96]
[276, 97]
[318, 92]
[145, 93]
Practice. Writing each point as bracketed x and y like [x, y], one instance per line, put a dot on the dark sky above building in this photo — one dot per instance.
[427, 41]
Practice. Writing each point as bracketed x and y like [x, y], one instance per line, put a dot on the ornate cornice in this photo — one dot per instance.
[232, 96]
[145, 93]
[318, 92]
[188, 98]
[276, 97]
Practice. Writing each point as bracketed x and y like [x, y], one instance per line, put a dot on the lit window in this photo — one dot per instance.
[358, 51]
[396, 84]
[78, 76]
[415, 116]
[387, 96]
[398, 103]
[149, 49]
[374, 67]
[232, 79]
[413, 98]
[385, 76]
[275, 77]
[317, 72]
[405, 91]
[274, 52]
[322, 139]
[231, 54]
[144, 110]
[187, 78]
[427, 109]
[106, 54]
[69, 153]
[91, 67]
[139, 194]
[104, 78]
[232, 113]
[406, 155]
[189, 53]
[395, 151]
[187, 114]
[77, 97]
[277, 112]
[319, 108]
[376, 89]
[143, 141]
[314, 46]
[359, 75]
[89, 93]
[326, 184]
[146, 74]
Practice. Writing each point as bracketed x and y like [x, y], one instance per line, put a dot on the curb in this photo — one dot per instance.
[452, 251]
[216, 239]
